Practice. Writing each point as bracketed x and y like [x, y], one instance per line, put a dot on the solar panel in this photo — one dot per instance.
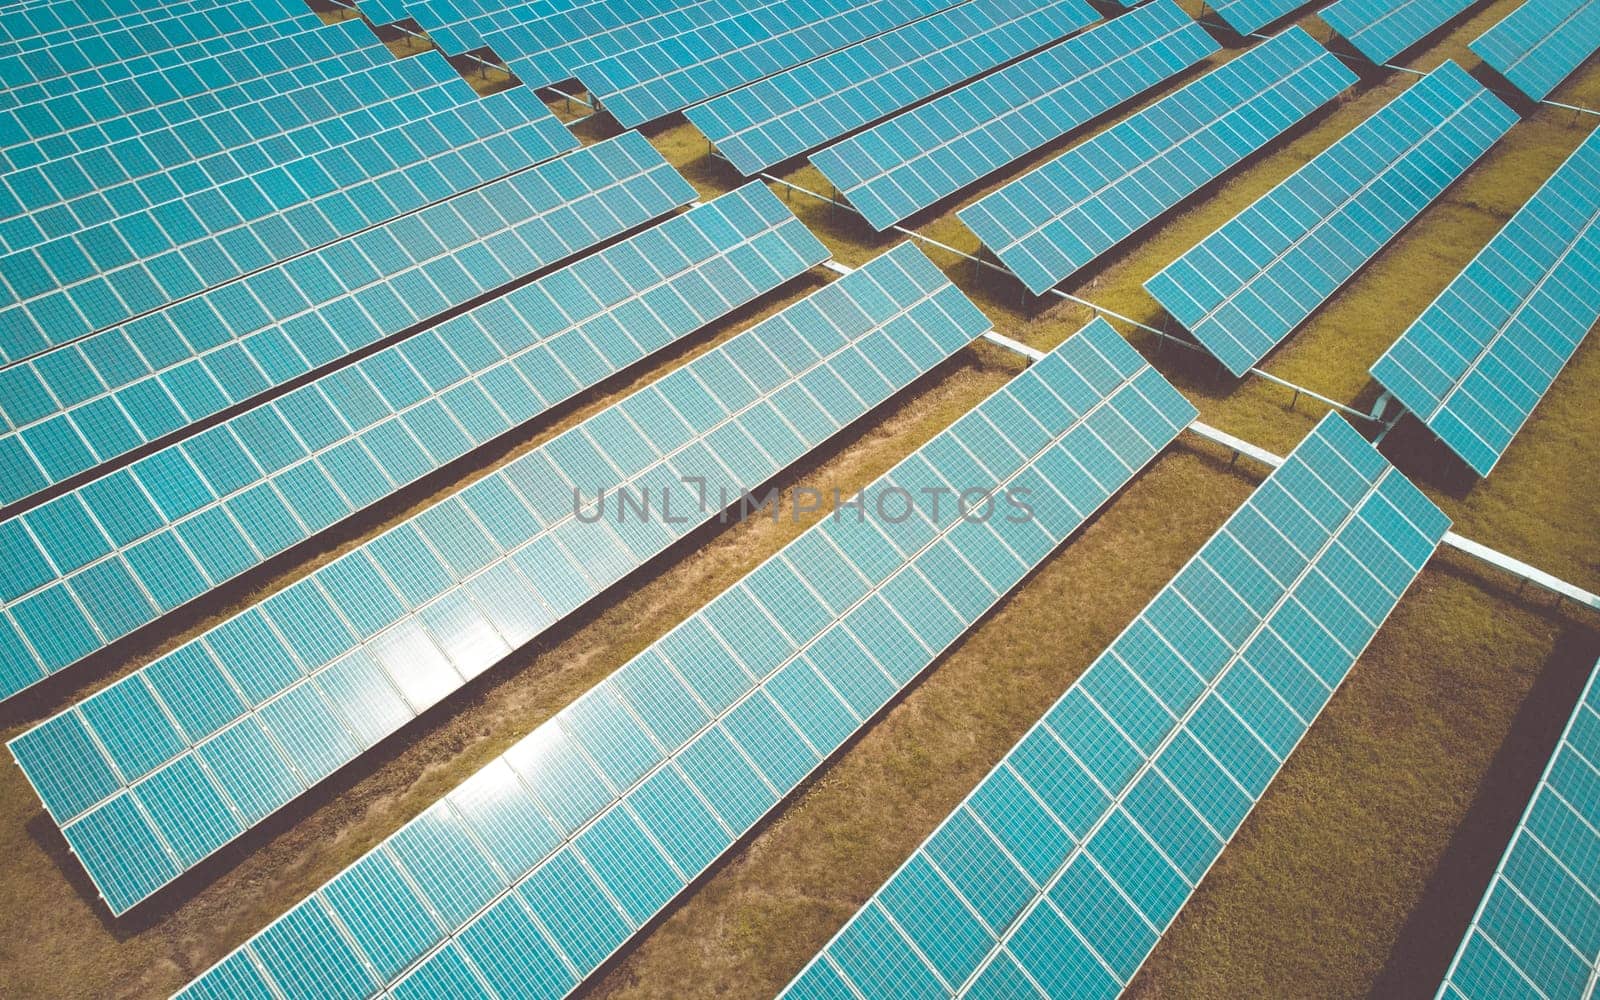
[1050, 222]
[1541, 43]
[911, 161]
[698, 737]
[1060, 872]
[772, 120]
[111, 556]
[1537, 931]
[1478, 360]
[58, 126]
[1382, 29]
[87, 281]
[381, 652]
[71, 409]
[1244, 288]
[654, 80]
[1249, 16]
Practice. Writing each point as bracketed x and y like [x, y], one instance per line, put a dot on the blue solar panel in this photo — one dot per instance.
[638, 786]
[132, 546]
[1249, 16]
[783, 116]
[654, 80]
[71, 409]
[389, 629]
[1537, 931]
[1382, 29]
[1541, 43]
[1076, 852]
[1245, 287]
[913, 160]
[1478, 360]
[109, 273]
[1050, 222]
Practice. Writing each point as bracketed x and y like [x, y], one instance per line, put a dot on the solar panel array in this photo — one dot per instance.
[657, 79]
[1537, 931]
[112, 271]
[1249, 16]
[1478, 360]
[1059, 873]
[71, 409]
[775, 119]
[536, 869]
[1244, 288]
[1382, 29]
[93, 565]
[1048, 223]
[911, 161]
[1541, 43]
[377, 637]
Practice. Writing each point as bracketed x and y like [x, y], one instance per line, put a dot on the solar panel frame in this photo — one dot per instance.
[1058, 218]
[1474, 365]
[1539, 45]
[889, 172]
[1242, 290]
[1151, 759]
[607, 871]
[1382, 29]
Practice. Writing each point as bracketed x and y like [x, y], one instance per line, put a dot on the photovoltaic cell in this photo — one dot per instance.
[1478, 360]
[1245, 287]
[224, 501]
[1060, 872]
[1382, 29]
[646, 83]
[83, 404]
[389, 629]
[772, 120]
[1050, 222]
[1537, 931]
[608, 866]
[1541, 43]
[1248, 16]
[914, 159]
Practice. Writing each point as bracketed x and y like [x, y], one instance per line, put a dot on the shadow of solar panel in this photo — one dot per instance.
[84, 404]
[389, 629]
[1382, 29]
[765, 682]
[655, 80]
[1541, 43]
[1050, 222]
[911, 161]
[88, 280]
[783, 116]
[224, 501]
[1537, 930]
[1072, 857]
[1477, 361]
[1244, 288]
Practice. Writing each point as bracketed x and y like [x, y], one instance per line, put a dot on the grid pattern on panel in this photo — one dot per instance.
[470, 25]
[1249, 16]
[781, 117]
[74, 408]
[1382, 29]
[61, 58]
[636, 788]
[1540, 43]
[670, 75]
[1537, 931]
[911, 161]
[1061, 870]
[115, 270]
[1050, 222]
[23, 21]
[222, 502]
[1478, 360]
[390, 629]
[58, 126]
[1244, 288]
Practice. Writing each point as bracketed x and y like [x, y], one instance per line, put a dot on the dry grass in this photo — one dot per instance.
[1354, 876]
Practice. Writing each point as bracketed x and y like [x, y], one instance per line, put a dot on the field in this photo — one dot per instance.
[1354, 877]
